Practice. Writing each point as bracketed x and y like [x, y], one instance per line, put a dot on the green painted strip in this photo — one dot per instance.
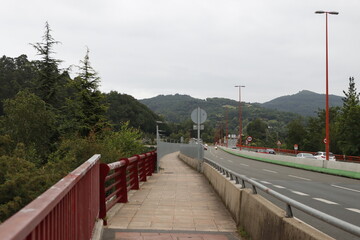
[337, 172]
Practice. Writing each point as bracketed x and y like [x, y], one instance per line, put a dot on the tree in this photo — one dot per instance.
[15, 74]
[257, 130]
[49, 79]
[28, 120]
[296, 133]
[86, 110]
[349, 125]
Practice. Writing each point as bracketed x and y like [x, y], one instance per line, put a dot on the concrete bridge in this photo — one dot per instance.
[127, 200]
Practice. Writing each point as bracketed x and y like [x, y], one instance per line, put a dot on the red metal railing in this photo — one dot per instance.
[338, 157]
[68, 210]
[117, 178]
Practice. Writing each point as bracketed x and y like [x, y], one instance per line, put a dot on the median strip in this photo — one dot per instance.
[301, 166]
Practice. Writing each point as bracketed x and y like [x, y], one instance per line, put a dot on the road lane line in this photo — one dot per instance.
[265, 182]
[267, 170]
[345, 188]
[230, 161]
[354, 210]
[326, 201]
[244, 164]
[278, 186]
[307, 179]
[300, 193]
[222, 158]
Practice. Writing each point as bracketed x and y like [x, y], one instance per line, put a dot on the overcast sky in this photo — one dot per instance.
[197, 47]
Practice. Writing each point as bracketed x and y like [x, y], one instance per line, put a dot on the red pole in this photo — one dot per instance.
[327, 121]
[327, 130]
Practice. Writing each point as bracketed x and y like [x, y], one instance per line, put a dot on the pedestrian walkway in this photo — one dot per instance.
[177, 203]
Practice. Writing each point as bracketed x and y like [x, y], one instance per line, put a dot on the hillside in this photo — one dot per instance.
[177, 108]
[305, 103]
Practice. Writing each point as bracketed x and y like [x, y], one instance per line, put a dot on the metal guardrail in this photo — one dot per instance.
[348, 227]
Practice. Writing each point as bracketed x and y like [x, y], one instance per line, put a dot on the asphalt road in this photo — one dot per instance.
[336, 196]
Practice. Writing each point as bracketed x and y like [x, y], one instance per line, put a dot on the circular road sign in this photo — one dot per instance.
[198, 118]
[249, 138]
[296, 147]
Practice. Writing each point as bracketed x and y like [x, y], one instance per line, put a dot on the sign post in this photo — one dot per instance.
[198, 116]
[296, 147]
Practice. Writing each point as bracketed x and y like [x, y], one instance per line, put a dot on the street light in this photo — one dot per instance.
[240, 115]
[327, 122]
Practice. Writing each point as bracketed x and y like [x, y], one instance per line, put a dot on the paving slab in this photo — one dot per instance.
[176, 203]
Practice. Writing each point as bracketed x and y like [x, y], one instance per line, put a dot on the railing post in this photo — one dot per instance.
[135, 173]
[104, 170]
[142, 166]
[122, 194]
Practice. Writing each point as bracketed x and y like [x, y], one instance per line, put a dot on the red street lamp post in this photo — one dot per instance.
[240, 115]
[327, 122]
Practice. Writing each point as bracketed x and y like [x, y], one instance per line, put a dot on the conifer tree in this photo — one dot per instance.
[49, 78]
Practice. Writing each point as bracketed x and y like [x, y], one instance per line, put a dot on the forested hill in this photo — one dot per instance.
[305, 103]
[178, 108]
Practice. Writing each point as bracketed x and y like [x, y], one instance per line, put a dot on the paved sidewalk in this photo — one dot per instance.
[177, 203]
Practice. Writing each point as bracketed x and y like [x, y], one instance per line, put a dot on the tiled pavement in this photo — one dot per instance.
[178, 203]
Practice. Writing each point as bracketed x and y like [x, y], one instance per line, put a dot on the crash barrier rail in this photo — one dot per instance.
[348, 227]
[338, 157]
[68, 210]
[118, 178]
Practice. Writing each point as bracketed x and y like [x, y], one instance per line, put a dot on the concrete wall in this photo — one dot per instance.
[257, 216]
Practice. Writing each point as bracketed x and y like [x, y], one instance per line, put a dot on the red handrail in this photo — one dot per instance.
[68, 210]
[117, 178]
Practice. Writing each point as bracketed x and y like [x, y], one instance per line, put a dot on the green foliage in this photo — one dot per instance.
[296, 133]
[257, 130]
[49, 80]
[348, 125]
[125, 143]
[28, 120]
[20, 182]
[310, 103]
[124, 108]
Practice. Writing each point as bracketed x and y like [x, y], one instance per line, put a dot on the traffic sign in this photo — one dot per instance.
[324, 140]
[296, 147]
[198, 116]
[249, 138]
[278, 143]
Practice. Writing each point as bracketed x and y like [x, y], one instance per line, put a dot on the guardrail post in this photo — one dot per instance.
[122, 194]
[104, 170]
[254, 189]
[289, 213]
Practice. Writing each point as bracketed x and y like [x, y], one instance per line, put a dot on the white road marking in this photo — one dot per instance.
[345, 188]
[265, 182]
[300, 193]
[267, 170]
[244, 164]
[326, 201]
[278, 186]
[222, 158]
[299, 177]
[254, 179]
[230, 161]
[354, 210]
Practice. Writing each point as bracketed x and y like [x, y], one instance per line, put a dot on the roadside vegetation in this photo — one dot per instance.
[50, 123]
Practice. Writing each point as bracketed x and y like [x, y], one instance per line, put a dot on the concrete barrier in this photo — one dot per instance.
[257, 216]
[345, 169]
